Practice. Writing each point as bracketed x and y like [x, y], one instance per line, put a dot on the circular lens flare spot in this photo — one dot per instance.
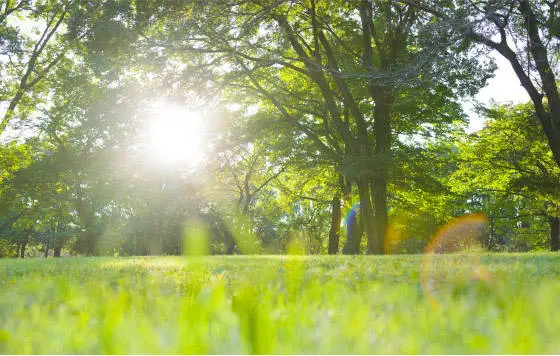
[450, 259]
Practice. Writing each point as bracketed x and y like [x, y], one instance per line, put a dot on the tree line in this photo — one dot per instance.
[337, 124]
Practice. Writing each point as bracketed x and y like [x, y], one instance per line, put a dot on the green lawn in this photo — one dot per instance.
[390, 304]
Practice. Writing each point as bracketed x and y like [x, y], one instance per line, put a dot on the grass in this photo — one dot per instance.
[240, 304]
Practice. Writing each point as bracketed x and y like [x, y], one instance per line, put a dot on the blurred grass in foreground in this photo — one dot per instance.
[293, 304]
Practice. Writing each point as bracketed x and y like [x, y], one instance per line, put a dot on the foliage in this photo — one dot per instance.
[335, 126]
[508, 172]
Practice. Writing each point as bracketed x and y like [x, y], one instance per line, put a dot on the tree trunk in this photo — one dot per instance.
[382, 130]
[381, 216]
[57, 249]
[46, 250]
[368, 218]
[22, 247]
[222, 231]
[354, 232]
[246, 203]
[18, 246]
[88, 239]
[383, 99]
[554, 233]
[335, 226]
[491, 242]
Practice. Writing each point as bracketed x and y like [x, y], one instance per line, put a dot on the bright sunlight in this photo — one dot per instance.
[177, 135]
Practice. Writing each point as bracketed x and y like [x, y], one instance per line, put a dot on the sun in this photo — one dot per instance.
[177, 136]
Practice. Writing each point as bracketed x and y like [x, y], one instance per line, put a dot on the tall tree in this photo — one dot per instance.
[311, 73]
[525, 33]
[30, 57]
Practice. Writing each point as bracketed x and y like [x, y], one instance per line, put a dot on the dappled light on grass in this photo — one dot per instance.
[452, 258]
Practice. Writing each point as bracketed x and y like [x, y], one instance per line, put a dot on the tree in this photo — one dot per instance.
[309, 77]
[31, 58]
[35, 200]
[423, 199]
[523, 32]
[331, 95]
[246, 167]
[510, 173]
[13, 157]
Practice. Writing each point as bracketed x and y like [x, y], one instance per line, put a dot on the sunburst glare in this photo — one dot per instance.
[177, 135]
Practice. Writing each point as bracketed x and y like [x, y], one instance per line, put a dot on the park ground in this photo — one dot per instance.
[463, 303]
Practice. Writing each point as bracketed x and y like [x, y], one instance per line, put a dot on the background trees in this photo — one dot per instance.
[509, 173]
[328, 121]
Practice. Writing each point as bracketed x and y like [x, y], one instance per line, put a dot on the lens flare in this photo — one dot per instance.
[352, 212]
[393, 236]
[350, 218]
[450, 259]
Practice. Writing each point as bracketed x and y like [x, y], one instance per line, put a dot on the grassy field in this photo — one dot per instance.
[390, 304]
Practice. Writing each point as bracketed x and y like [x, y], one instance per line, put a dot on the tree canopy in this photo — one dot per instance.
[334, 124]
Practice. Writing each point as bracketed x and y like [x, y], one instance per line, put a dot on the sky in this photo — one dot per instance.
[503, 88]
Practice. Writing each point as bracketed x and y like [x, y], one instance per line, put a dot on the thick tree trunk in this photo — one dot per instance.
[354, 232]
[382, 129]
[46, 250]
[335, 226]
[366, 211]
[381, 217]
[383, 99]
[554, 233]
